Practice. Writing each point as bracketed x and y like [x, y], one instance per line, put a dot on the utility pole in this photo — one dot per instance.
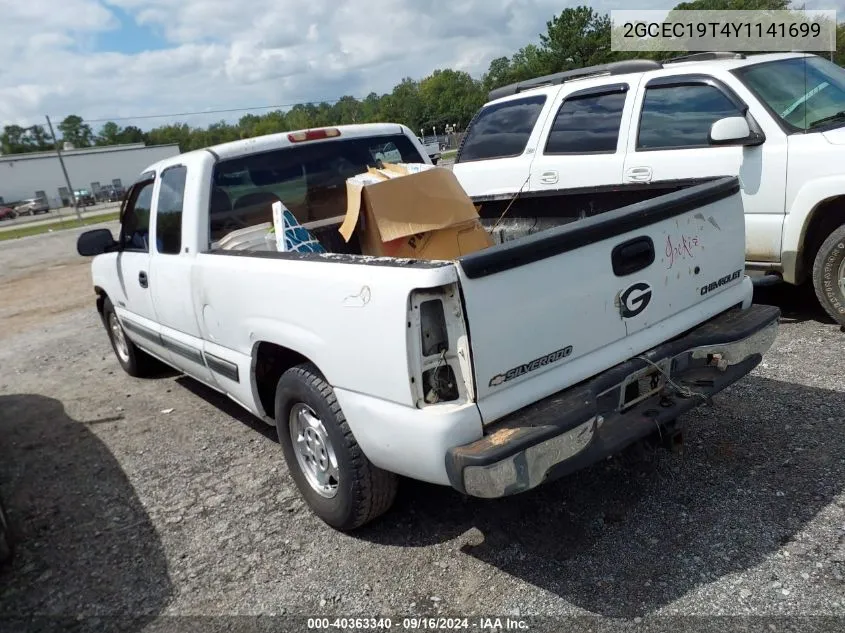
[64, 171]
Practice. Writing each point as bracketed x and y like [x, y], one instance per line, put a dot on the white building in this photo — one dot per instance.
[22, 175]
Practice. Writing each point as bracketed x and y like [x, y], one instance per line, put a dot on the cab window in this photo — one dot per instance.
[135, 222]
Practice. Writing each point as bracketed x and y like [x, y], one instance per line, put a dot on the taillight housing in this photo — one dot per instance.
[313, 135]
[438, 348]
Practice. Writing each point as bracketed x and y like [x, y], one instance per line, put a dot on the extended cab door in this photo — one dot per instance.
[133, 301]
[500, 144]
[673, 118]
[171, 266]
[583, 143]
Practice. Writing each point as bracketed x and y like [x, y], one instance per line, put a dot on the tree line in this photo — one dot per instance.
[575, 38]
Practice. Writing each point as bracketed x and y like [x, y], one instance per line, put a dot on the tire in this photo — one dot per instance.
[357, 492]
[6, 540]
[134, 361]
[829, 275]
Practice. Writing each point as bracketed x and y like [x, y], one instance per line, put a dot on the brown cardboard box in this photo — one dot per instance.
[398, 212]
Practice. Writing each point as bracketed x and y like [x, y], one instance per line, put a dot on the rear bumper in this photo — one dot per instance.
[585, 423]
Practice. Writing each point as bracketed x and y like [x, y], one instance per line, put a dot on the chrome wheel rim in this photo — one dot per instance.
[118, 338]
[314, 451]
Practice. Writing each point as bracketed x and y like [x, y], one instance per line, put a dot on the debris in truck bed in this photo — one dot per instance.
[416, 211]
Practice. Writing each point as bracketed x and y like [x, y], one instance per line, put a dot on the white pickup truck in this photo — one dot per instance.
[588, 136]
[492, 373]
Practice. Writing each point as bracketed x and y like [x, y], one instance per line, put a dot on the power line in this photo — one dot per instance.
[227, 110]
[198, 112]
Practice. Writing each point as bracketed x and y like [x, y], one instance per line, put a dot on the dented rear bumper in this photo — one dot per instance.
[590, 421]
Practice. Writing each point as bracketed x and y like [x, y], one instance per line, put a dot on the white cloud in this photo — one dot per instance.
[221, 54]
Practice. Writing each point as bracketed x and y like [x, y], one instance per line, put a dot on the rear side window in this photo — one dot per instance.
[681, 116]
[501, 130]
[587, 124]
[171, 196]
[308, 178]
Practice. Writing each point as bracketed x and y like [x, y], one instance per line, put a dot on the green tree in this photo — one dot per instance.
[172, 133]
[532, 61]
[347, 110]
[576, 38]
[75, 131]
[449, 97]
[132, 134]
[39, 139]
[300, 117]
[13, 140]
[110, 134]
[214, 134]
[371, 108]
[498, 74]
[839, 56]
[272, 123]
[403, 105]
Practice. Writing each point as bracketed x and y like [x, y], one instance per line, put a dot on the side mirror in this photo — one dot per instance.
[733, 130]
[95, 242]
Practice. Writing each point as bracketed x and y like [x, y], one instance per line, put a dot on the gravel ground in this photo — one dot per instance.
[123, 508]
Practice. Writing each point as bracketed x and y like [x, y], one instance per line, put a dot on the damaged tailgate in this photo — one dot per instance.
[542, 304]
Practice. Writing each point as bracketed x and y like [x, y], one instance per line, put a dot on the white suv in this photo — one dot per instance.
[775, 120]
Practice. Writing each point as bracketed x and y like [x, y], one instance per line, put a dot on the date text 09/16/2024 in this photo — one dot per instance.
[417, 623]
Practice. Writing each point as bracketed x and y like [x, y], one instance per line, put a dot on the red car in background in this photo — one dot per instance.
[7, 214]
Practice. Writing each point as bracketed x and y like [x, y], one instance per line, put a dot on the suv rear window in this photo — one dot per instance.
[309, 179]
[587, 124]
[501, 130]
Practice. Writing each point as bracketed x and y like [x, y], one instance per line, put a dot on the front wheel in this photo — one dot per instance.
[134, 361]
[330, 470]
[829, 275]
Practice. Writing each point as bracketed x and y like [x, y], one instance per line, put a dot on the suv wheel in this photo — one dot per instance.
[829, 275]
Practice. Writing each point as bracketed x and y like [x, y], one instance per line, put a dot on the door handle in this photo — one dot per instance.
[549, 177]
[142, 279]
[638, 174]
[632, 256]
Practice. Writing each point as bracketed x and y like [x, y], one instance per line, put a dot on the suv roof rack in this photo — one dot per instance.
[613, 68]
[704, 57]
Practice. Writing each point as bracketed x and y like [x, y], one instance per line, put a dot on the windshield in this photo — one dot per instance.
[806, 93]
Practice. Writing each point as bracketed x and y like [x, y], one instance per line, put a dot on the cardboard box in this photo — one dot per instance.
[409, 211]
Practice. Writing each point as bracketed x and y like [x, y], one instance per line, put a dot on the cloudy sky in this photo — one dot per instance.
[120, 58]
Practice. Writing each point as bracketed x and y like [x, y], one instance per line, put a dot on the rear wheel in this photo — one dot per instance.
[829, 275]
[134, 361]
[332, 473]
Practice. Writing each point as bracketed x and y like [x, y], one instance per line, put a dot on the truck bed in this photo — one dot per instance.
[509, 217]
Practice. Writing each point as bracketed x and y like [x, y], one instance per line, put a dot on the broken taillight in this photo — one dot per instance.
[438, 347]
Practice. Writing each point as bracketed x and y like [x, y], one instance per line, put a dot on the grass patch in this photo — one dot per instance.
[26, 231]
[449, 154]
